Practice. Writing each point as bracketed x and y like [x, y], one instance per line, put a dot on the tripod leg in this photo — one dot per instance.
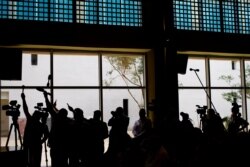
[17, 130]
[46, 158]
[15, 137]
[7, 142]
[19, 135]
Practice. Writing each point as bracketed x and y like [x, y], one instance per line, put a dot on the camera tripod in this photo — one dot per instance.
[14, 125]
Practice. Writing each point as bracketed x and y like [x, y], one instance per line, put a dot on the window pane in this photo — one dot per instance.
[248, 109]
[190, 78]
[247, 82]
[247, 75]
[225, 73]
[86, 99]
[75, 70]
[114, 98]
[123, 70]
[33, 75]
[188, 99]
[220, 99]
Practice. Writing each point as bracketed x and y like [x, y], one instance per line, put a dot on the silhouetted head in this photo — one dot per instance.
[63, 112]
[210, 111]
[142, 113]
[119, 110]
[97, 114]
[78, 113]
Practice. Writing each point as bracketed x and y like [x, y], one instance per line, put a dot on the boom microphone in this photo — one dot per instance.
[191, 69]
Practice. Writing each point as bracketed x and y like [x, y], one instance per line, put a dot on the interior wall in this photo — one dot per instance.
[4, 120]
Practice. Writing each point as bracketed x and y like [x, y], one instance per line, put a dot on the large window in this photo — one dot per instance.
[90, 81]
[227, 16]
[104, 12]
[217, 84]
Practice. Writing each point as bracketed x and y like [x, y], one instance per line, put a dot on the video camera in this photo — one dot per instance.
[201, 110]
[40, 107]
[113, 113]
[42, 110]
[12, 109]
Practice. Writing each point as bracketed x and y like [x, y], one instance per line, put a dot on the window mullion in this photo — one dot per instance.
[208, 83]
[243, 84]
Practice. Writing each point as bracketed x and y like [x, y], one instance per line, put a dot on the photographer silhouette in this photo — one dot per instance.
[236, 122]
[35, 134]
[13, 110]
[213, 124]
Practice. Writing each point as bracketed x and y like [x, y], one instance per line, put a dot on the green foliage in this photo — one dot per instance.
[230, 96]
[227, 78]
[130, 69]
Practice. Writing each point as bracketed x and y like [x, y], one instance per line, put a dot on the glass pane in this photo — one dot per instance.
[123, 70]
[35, 70]
[225, 73]
[190, 78]
[248, 110]
[86, 99]
[114, 98]
[247, 76]
[222, 100]
[75, 70]
[188, 101]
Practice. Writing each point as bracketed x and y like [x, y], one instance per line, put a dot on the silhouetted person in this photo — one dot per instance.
[118, 136]
[236, 122]
[100, 133]
[186, 140]
[185, 123]
[80, 139]
[142, 125]
[212, 124]
[59, 135]
[34, 135]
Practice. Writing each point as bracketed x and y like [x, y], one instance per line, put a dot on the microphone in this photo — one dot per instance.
[191, 69]
[42, 90]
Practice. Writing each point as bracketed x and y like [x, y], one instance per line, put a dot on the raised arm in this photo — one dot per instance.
[72, 110]
[49, 105]
[25, 107]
